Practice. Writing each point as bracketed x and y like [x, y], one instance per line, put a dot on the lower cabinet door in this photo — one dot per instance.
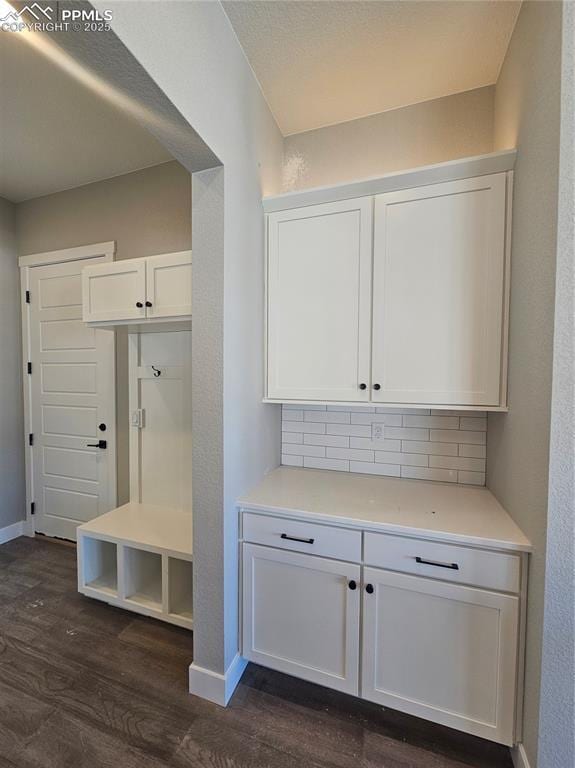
[443, 652]
[301, 616]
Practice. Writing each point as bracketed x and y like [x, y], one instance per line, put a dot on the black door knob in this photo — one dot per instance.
[369, 589]
[352, 584]
[363, 386]
[139, 304]
[148, 303]
[377, 386]
[102, 427]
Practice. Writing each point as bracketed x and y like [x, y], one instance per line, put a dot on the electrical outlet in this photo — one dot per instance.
[376, 431]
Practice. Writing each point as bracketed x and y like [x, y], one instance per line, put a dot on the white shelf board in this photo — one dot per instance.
[145, 526]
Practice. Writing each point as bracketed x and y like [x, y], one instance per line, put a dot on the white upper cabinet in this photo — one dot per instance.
[114, 291]
[169, 284]
[439, 259]
[319, 302]
[410, 311]
[138, 290]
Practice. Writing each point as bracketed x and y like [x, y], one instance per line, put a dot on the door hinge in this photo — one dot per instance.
[29, 367]
[33, 508]
[27, 297]
[30, 439]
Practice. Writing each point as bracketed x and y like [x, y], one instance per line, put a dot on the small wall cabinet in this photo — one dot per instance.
[394, 298]
[138, 290]
[425, 627]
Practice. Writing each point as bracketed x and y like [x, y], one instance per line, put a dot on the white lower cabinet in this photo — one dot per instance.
[301, 615]
[445, 651]
[440, 651]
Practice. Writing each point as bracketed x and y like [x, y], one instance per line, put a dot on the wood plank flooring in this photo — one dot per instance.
[84, 685]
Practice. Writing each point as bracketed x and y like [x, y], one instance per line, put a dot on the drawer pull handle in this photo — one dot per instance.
[295, 538]
[452, 566]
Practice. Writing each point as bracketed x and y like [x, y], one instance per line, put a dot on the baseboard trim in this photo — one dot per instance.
[214, 686]
[13, 531]
[519, 757]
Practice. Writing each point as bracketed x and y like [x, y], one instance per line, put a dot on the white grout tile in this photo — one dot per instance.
[479, 425]
[334, 417]
[342, 466]
[436, 449]
[411, 459]
[390, 470]
[292, 437]
[303, 450]
[352, 408]
[457, 462]
[424, 473]
[349, 453]
[353, 430]
[404, 411]
[301, 426]
[292, 461]
[339, 441]
[374, 445]
[296, 406]
[293, 415]
[389, 419]
[474, 451]
[457, 436]
[471, 478]
[435, 422]
[405, 433]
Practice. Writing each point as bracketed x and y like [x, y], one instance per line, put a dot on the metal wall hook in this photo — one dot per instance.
[157, 371]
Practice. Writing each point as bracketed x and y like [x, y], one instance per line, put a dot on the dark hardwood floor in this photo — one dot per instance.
[84, 685]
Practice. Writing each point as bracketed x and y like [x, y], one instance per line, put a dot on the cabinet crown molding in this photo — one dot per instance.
[453, 170]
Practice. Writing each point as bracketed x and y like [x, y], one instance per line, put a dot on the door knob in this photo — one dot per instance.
[369, 589]
[99, 444]
[363, 386]
[377, 386]
[148, 303]
[139, 304]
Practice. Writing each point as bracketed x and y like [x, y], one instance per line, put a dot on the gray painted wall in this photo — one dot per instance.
[527, 115]
[145, 212]
[196, 60]
[557, 711]
[421, 134]
[12, 479]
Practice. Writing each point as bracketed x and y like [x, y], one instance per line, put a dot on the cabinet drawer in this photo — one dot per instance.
[448, 562]
[301, 536]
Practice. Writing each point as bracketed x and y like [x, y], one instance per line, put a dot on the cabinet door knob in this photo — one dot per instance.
[369, 589]
[139, 304]
[377, 386]
[148, 303]
[363, 386]
[352, 584]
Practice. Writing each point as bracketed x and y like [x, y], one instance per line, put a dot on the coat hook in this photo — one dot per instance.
[157, 371]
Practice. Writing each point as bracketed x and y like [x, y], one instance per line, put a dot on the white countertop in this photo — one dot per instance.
[456, 513]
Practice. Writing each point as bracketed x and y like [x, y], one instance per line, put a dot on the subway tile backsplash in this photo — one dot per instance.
[447, 446]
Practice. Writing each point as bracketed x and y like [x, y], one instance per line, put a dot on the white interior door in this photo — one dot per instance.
[443, 652]
[169, 284]
[301, 617]
[319, 302]
[72, 404]
[438, 282]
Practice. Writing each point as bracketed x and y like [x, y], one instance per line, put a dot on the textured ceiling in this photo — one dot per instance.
[57, 134]
[326, 62]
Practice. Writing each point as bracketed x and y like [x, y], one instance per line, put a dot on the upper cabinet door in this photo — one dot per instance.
[438, 293]
[169, 285]
[319, 302]
[114, 291]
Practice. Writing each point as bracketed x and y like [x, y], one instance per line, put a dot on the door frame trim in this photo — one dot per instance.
[107, 251]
